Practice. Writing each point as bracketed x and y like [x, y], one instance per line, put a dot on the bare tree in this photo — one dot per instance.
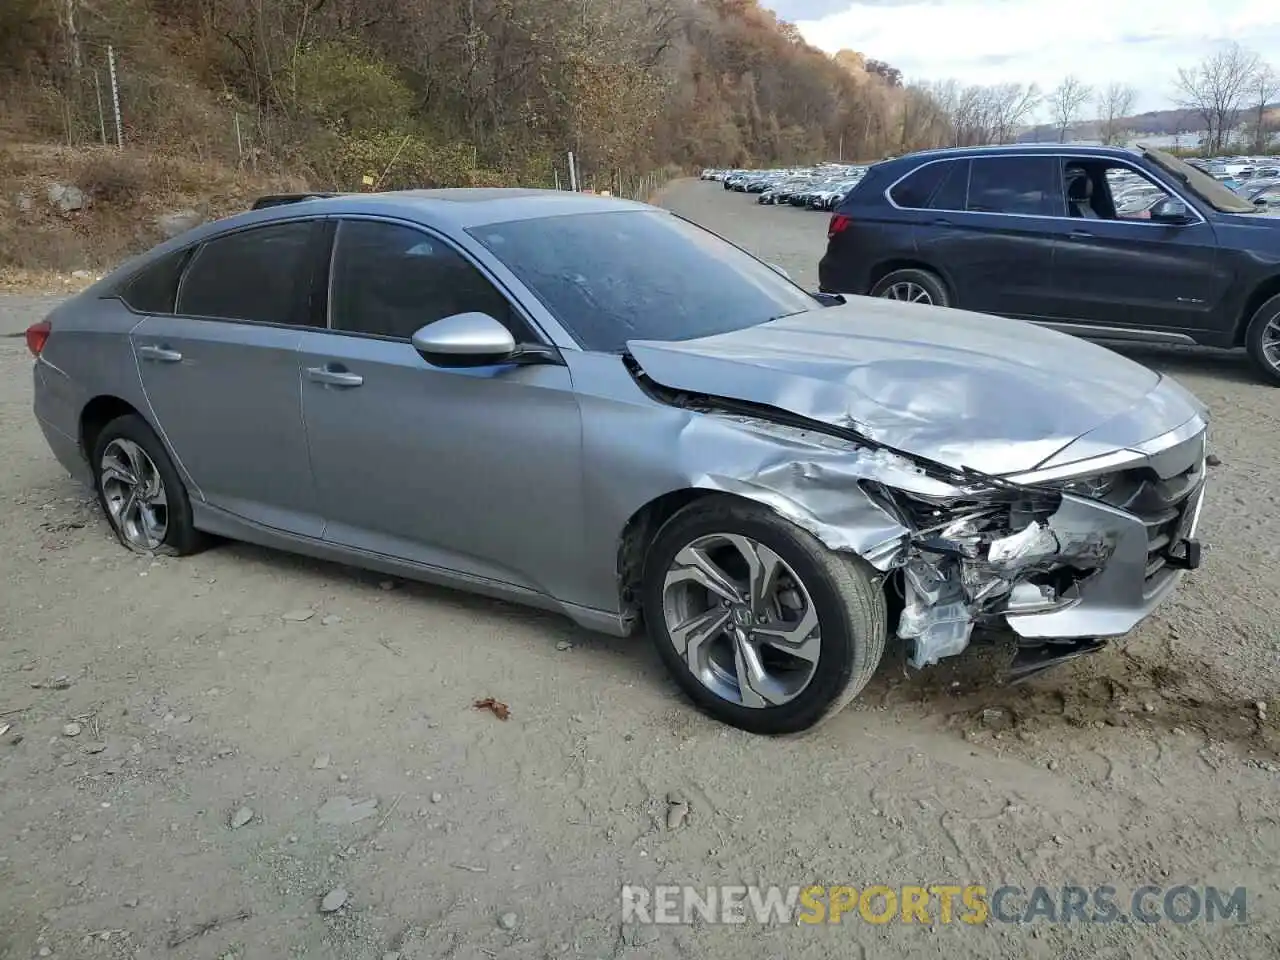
[1115, 103]
[1263, 88]
[1066, 102]
[1215, 88]
[1011, 103]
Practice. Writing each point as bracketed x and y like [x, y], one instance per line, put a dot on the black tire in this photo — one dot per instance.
[181, 538]
[1266, 314]
[930, 282]
[846, 592]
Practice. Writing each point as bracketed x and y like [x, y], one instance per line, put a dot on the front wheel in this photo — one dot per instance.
[1262, 340]
[913, 286]
[761, 625]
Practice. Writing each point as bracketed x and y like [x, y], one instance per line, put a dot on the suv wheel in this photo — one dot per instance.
[760, 624]
[913, 286]
[1262, 340]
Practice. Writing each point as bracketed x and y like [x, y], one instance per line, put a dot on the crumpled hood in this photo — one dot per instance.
[965, 389]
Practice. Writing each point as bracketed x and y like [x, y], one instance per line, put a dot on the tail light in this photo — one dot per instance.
[839, 224]
[37, 336]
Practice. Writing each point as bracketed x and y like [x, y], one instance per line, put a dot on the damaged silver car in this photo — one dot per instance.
[593, 406]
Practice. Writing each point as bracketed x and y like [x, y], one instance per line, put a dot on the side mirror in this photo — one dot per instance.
[1171, 210]
[830, 299]
[1259, 201]
[779, 271]
[464, 340]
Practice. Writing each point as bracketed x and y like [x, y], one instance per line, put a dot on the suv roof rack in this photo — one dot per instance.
[280, 199]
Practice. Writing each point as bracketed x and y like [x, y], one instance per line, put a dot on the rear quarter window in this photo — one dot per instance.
[155, 288]
[914, 191]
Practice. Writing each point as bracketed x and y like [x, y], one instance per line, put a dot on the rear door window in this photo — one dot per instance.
[1031, 186]
[261, 274]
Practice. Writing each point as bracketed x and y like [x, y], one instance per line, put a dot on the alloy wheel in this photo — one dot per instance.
[742, 620]
[134, 494]
[1270, 342]
[907, 291]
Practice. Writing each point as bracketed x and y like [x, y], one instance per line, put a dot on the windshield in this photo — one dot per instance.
[639, 275]
[1200, 183]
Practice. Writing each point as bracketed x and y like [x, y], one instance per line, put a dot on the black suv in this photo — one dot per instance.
[1043, 232]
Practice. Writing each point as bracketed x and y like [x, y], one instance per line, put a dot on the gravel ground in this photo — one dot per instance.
[198, 753]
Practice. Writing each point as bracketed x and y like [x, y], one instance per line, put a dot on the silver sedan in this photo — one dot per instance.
[593, 406]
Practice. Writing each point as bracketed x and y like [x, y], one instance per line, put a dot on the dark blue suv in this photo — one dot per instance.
[1102, 242]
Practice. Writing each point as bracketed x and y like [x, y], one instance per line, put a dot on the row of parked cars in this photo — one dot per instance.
[1257, 179]
[815, 188]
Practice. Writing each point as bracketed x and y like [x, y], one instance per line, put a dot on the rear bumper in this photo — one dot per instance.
[836, 277]
[67, 451]
[55, 407]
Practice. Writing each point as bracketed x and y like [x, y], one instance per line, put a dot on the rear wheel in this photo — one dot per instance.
[1262, 340]
[760, 624]
[140, 490]
[913, 286]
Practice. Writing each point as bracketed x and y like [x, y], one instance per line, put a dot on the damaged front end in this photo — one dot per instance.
[990, 553]
[1064, 558]
[1063, 562]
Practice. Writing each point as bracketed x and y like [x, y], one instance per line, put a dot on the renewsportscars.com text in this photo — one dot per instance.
[971, 904]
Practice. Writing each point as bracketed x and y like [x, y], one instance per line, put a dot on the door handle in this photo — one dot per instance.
[161, 354]
[334, 377]
[1081, 235]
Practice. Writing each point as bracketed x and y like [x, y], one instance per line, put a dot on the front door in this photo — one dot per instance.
[1136, 273]
[474, 470]
[221, 375]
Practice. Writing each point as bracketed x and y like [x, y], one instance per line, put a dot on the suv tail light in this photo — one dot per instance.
[37, 336]
[839, 224]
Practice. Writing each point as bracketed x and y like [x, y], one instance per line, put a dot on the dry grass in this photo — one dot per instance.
[125, 191]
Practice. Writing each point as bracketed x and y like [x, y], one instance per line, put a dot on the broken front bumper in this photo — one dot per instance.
[1121, 594]
[1094, 568]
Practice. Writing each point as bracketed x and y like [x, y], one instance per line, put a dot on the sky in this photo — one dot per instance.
[1139, 42]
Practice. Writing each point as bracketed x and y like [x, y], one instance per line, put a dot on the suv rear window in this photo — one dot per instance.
[1026, 185]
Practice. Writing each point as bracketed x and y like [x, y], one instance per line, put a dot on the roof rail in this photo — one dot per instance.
[280, 199]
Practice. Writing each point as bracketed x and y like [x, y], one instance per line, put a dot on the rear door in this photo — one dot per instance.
[992, 228]
[221, 373]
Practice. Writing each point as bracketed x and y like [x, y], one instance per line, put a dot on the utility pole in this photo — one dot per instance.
[115, 94]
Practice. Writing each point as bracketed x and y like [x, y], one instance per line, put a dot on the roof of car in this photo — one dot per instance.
[461, 207]
[447, 210]
[1065, 149]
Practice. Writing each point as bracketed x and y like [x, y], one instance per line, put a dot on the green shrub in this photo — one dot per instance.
[349, 91]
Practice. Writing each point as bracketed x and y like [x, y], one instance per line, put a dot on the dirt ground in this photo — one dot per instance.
[253, 731]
